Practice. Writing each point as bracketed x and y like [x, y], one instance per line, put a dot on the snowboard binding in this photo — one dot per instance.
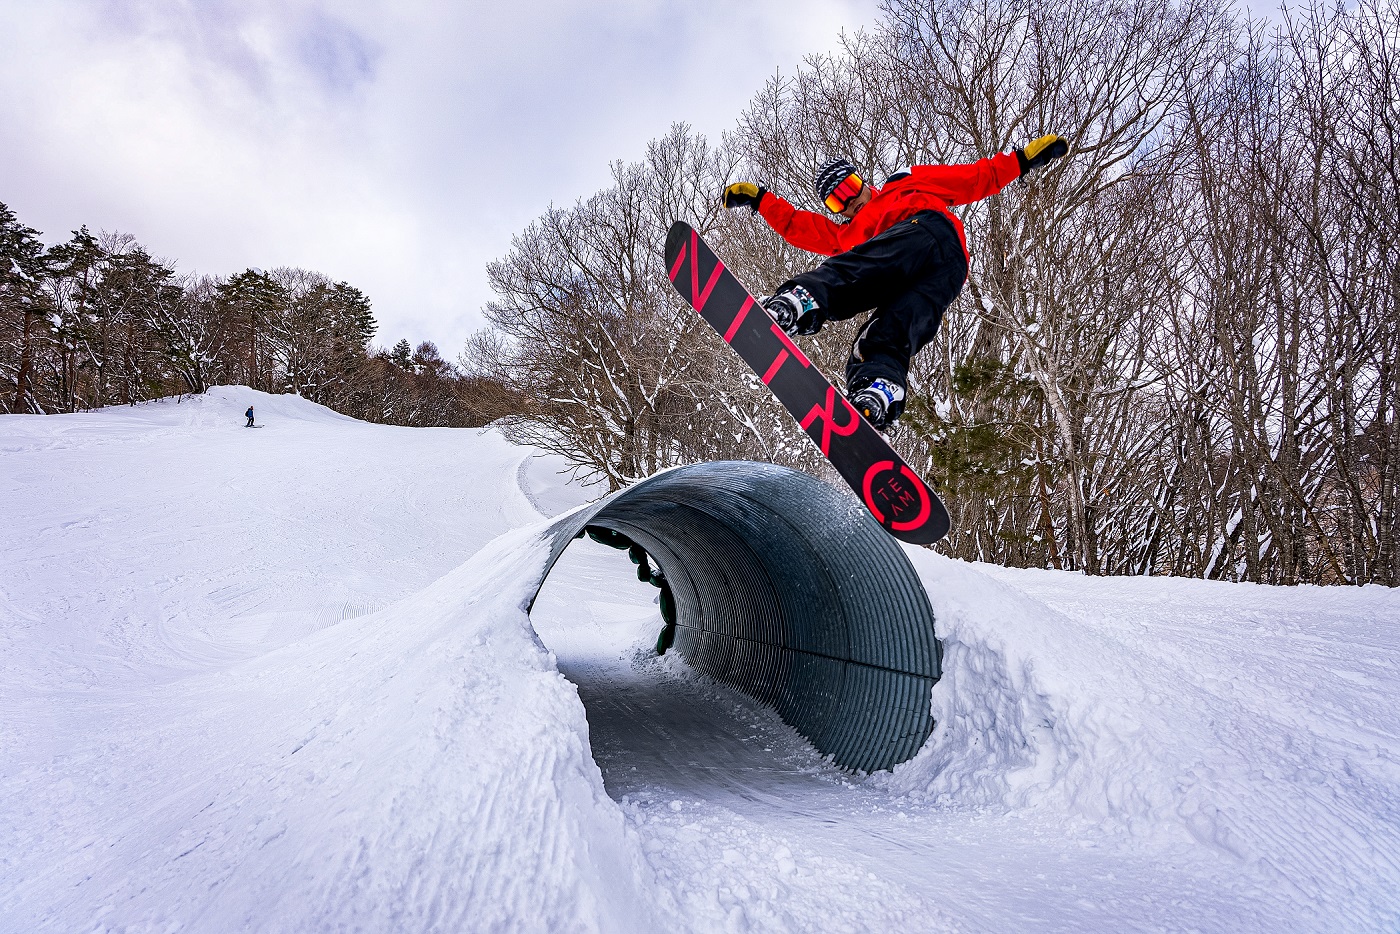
[795, 311]
[879, 400]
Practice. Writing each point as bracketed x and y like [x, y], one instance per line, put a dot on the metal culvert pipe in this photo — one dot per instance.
[784, 588]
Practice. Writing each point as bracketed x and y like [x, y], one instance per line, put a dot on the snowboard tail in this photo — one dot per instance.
[895, 495]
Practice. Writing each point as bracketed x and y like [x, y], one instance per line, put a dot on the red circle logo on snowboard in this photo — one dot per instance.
[898, 493]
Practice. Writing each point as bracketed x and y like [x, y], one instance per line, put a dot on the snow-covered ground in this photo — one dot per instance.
[280, 680]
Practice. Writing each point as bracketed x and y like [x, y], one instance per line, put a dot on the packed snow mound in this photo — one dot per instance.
[424, 767]
[220, 403]
[1001, 736]
[1243, 731]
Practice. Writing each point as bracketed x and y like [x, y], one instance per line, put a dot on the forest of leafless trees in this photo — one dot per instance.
[1176, 350]
[97, 321]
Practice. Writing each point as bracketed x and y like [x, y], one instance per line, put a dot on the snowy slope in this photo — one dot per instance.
[280, 679]
[191, 734]
[129, 530]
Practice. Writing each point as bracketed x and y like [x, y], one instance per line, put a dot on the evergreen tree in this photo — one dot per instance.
[122, 341]
[342, 325]
[251, 301]
[76, 269]
[23, 268]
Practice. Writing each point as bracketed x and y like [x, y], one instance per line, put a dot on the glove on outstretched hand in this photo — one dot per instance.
[1040, 152]
[744, 194]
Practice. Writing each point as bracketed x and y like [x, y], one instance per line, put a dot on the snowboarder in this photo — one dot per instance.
[249, 413]
[900, 251]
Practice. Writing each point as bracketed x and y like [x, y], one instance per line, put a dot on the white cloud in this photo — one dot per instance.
[394, 145]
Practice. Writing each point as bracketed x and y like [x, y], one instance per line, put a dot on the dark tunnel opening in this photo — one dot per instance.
[785, 589]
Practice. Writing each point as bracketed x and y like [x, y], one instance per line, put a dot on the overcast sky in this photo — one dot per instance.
[395, 145]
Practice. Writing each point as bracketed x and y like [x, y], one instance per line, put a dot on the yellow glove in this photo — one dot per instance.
[1040, 152]
[744, 194]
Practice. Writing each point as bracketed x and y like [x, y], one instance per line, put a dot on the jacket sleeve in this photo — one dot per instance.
[803, 229]
[964, 184]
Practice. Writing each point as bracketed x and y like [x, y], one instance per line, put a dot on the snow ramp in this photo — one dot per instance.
[778, 585]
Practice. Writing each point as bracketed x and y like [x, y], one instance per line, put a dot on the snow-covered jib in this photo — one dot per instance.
[783, 588]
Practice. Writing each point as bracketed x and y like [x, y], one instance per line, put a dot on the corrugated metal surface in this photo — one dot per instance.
[790, 592]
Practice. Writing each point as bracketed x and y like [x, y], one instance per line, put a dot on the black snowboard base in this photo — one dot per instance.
[896, 496]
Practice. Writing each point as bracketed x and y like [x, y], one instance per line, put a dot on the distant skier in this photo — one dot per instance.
[249, 413]
[901, 252]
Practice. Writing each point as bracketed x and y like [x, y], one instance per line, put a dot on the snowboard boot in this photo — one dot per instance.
[795, 311]
[879, 400]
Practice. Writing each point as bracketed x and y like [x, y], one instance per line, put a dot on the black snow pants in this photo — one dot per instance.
[909, 274]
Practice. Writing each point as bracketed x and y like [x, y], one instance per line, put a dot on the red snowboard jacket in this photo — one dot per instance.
[925, 188]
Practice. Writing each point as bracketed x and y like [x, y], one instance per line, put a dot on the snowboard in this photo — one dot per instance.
[896, 496]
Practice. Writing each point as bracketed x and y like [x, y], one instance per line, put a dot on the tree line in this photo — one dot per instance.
[1176, 352]
[98, 321]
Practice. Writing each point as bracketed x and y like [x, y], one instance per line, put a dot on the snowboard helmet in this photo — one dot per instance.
[838, 184]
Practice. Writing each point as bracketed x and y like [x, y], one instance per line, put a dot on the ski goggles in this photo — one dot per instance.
[846, 191]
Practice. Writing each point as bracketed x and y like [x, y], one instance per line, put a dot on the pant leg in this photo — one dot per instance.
[909, 321]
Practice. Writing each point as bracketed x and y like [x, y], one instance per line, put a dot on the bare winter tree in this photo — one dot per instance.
[192, 334]
[613, 368]
[1029, 407]
[1176, 350]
